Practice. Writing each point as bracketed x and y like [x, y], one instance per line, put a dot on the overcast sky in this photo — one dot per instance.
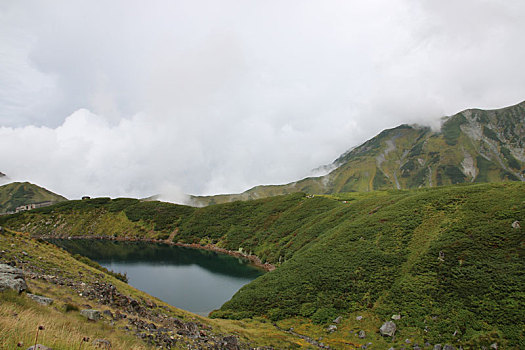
[134, 98]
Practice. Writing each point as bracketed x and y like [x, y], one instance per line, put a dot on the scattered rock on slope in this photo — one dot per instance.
[12, 278]
[39, 347]
[92, 315]
[388, 329]
[331, 328]
[40, 299]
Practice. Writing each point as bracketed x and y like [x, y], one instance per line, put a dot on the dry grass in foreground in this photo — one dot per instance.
[21, 317]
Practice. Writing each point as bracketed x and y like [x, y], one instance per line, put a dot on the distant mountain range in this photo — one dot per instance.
[16, 194]
[472, 146]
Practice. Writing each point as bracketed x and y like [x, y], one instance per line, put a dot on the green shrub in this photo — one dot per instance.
[231, 315]
[490, 134]
[277, 314]
[324, 315]
[511, 160]
[70, 307]
[451, 129]
[307, 309]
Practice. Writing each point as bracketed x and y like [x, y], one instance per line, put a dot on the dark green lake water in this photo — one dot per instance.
[195, 280]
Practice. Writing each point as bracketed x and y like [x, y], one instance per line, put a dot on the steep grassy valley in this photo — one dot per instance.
[448, 260]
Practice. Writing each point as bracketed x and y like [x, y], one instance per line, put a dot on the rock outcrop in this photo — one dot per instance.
[40, 299]
[12, 278]
[388, 329]
[92, 315]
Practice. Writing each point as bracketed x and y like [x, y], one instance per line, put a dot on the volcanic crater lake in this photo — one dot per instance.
[194, 280]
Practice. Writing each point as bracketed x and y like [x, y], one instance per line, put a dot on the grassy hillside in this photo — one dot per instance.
[132, 319]
[447, 259]
[472, 146]
[16, 194]
[268, 227]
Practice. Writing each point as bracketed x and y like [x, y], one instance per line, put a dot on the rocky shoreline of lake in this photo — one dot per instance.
[143, 317]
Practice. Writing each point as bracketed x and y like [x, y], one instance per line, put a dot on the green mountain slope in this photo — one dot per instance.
[262, 226]
[15, 194]
[472, 146]
[449, 259]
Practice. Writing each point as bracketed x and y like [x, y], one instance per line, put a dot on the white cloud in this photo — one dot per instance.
[129, 98]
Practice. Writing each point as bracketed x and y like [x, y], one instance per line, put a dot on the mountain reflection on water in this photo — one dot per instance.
[195, 280]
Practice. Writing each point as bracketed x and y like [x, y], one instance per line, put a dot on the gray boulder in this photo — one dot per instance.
[90, 314]
[438, 347]
[362, 334]
[39, 347]
[12, 278]
[338, 319]
[359, 318]
[40, 299]
[388, 329]
[331, 328]
[396, 317]
[448, 347]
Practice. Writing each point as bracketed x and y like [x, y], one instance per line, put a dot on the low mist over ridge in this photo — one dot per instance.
[134, 100]
[472, 146]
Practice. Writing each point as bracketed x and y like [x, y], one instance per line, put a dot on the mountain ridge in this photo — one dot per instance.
[474, 145]
[15, 194]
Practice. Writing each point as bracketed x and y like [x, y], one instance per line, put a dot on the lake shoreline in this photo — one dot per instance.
[253, 259]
